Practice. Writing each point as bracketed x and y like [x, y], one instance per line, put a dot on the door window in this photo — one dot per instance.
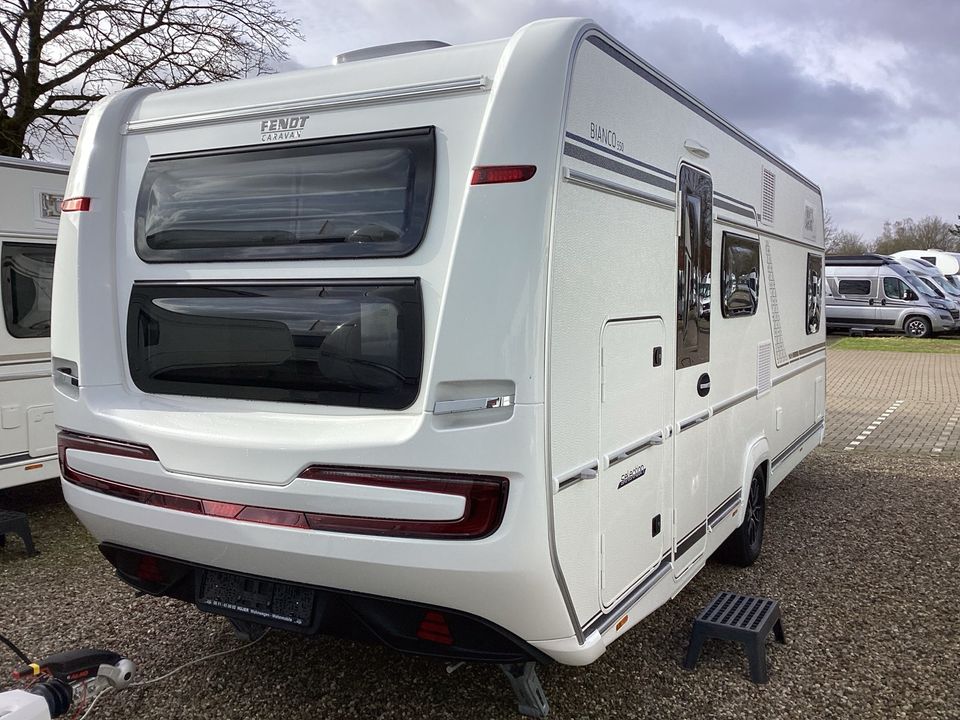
[26, 270]
[693, 267]
[895, 289]
[814, 292]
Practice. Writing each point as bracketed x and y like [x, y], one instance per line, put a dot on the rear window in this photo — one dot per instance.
[353, 197]
[353, 345]
[26, 273]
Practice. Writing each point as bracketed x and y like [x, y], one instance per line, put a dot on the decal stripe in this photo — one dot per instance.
[579, 153]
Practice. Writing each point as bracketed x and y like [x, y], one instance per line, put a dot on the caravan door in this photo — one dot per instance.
[631, 453]
[692, 401]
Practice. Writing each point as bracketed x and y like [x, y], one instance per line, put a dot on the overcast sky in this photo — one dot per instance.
[862, 96]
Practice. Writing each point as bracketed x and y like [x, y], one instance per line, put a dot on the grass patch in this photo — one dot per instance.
[900, 344]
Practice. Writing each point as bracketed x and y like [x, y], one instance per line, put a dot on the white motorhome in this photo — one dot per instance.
[947, 263]
[30, 195]
[479, 352]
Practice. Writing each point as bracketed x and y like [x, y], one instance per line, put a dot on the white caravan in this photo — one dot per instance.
[30, 195]
[479, 352]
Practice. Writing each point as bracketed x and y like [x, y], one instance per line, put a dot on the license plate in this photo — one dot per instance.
[254, 599]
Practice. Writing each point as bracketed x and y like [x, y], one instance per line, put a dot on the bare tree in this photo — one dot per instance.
[929, 233]
[58, 57]
[846, 242]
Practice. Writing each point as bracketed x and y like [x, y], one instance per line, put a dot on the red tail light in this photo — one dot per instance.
[484, 497]
[491, 174]
[75, 204]
[434, 628]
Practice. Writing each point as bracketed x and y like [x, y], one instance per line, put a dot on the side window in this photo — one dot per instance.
[814, 292]
[895, 289]
[854, 287]
[693, 267]
[26, 273]
[739, 276]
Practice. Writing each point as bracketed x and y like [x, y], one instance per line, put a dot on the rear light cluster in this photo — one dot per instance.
[484, 497]
[492, 174]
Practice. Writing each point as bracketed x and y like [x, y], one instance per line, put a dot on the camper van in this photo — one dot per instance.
[935, 280]
[30, 195]
[947, 263]
[867, 293]
[424, 348]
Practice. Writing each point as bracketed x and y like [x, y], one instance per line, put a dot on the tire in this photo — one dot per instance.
[743, 546]
[917, 326]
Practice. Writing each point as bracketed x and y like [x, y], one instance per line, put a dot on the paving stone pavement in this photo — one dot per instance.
[904, 403]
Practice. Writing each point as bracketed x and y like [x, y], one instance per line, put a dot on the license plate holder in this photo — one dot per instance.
[265, 601]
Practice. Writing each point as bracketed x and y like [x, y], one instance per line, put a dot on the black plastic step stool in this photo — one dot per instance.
[16, 523]
[743, 618]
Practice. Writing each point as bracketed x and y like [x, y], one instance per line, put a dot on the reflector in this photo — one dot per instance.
[75, 204]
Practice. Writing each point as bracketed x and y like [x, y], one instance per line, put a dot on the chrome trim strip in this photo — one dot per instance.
[26, 375]
[724, 509]
[796, 444]
[572, 477]
[769, 233]
[735, 400]
[549, 488]
[797, 370]
[36, 165]
[607, 619]
[24, 359]
[628, 451]
[50, 238]
[24, 459]
[596, 183]
[323, 102]
[445, 407]
[694, 420]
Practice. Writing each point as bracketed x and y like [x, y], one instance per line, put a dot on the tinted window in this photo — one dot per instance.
[27, 276]
[740, 276]
[693, 267]
[814, 292]
[895, 289]
[330, 344]
[355, 197]
[854, 287]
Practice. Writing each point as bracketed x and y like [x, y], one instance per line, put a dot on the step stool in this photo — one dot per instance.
[743, 618]
[16, 523]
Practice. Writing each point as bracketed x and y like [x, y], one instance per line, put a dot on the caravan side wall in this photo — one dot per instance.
[614, 312]
[30, 195]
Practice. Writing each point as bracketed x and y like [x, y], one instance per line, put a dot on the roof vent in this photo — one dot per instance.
[769, 183]
[378, 51]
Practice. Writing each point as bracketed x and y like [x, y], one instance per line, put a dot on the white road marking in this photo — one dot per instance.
[865, 433]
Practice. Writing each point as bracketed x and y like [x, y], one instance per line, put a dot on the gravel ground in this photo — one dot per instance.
[862, 551]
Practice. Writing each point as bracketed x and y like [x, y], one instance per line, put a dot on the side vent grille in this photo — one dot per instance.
[763, 367]
[769, 195]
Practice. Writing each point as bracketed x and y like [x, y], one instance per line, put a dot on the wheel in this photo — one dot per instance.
[917, 326]
[742, 548]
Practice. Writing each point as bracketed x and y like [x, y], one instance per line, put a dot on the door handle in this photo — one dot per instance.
[703, 385]
[871, 301]
[883, 302]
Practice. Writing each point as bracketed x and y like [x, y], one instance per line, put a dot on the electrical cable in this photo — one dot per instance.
[95, 700]
[17, 651]
[142, 683]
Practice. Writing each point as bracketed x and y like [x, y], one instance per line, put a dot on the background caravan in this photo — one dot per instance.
[30, 195]
[488, 347]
